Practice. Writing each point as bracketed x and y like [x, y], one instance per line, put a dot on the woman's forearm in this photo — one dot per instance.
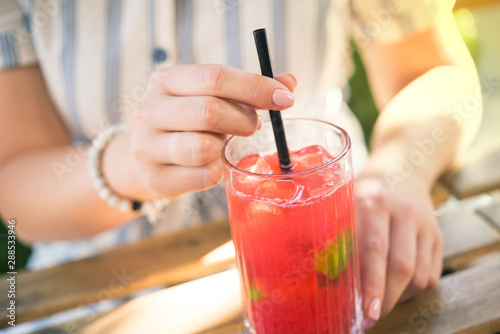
[430, 122]
[50, 193]
[45, 182]
[427, 89]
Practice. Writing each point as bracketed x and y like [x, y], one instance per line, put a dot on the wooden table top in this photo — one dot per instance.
[466, 301]
[475, 3]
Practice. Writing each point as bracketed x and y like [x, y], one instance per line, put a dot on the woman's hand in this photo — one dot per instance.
[181, 125]
[399, 240]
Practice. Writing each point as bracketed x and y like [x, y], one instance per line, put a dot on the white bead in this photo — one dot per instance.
[94, 165]
[147, 207]
[96, 180]
[98, 183]
[104, 193]
[159, 204]
[94, 173]
[93, 155]
[113, 201]
[99, 142]
[94, 160]
[124, 205]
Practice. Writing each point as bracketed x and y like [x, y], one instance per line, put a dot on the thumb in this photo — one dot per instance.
[288, 80]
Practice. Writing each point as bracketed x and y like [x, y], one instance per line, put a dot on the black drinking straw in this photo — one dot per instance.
[276, 120]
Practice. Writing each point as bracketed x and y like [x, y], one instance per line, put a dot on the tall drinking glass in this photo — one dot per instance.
[295, 233]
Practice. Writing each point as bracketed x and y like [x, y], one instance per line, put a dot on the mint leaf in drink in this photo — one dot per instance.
[327, 261]
[332, 260]
[351, 243]
[342, 250]
[255, 293]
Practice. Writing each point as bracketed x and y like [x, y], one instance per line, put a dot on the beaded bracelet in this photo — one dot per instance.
[150, 209]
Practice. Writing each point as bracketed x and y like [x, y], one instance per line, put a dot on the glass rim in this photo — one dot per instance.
[340, 156]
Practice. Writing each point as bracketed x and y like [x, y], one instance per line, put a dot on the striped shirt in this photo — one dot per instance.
[96, 56]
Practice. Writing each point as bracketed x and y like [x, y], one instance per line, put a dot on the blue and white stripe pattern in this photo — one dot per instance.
[8, 48]
[233, 33]
[279, 25]
[28, 15]
[323, 6]
[152, 30]
[184, 20]
[68, 17]
[113, 58]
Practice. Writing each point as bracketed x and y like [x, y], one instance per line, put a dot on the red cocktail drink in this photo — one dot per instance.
[295, 233]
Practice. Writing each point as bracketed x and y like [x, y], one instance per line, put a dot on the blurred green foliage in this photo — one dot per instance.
[361, 100]
[467, 25]
[22, 252]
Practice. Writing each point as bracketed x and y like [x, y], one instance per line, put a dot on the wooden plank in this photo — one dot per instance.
[172, 259]
[475, 3]
[185, 308]
[466, 236]
[475, 177]
[492, 214]
[74, 326]
[439, 194]
[490, 257]
[467, 302]
[159, 261]
[234, 327]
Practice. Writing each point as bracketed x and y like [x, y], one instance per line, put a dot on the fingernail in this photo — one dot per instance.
[367, 324]
[283, 98]
[374, 309]
[259, 122]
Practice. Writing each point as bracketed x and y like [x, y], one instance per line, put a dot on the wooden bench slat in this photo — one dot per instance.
[466, 236]
[172, 259]
[439, 194]
[465, 302]
[159, 261]
[475, 177]
[492, 214]
[475, 3]
[234, 327]
[73, 326]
